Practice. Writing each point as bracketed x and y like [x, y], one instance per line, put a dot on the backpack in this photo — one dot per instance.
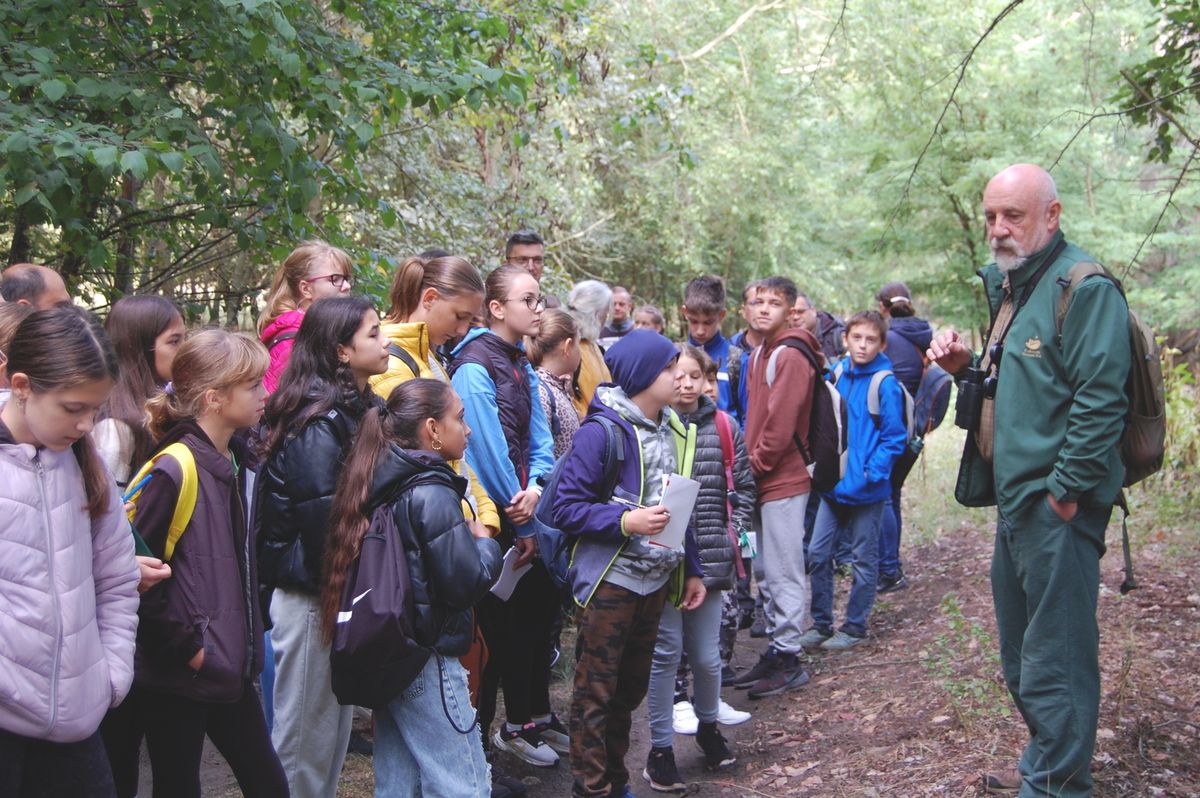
[932, 400]
[279, 338]
[553, 543]
[725, 433]
[1143, 442]
[374, 655]
[185, 503]
[873, 399]
[826, 454]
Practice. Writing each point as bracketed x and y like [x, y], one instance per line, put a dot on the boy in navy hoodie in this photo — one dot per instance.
[856, 505]
[620, 579]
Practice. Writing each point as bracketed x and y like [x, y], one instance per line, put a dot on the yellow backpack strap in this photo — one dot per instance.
[185, 504]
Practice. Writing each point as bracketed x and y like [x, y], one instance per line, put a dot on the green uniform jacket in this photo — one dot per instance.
[1060, 403]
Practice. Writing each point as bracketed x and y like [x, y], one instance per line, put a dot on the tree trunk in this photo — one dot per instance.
[19, 252]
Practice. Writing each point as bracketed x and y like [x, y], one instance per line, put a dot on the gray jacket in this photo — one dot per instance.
[709, 519]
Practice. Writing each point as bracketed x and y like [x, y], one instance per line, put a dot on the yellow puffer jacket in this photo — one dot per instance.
[413, 338]
[592, 372]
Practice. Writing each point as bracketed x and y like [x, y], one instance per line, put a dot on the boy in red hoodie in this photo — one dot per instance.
[777, 420]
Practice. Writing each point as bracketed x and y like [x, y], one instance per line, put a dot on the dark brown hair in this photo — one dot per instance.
[498, 283]
[58, 349]
[133, 326]
[450, 275]
[408, 406]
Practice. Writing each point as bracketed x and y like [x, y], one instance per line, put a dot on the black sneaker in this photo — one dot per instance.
[789, 674]
[661, 772]
[767, 664]
[759, 627]
[745, 619]
[888, 584]
[717, 755]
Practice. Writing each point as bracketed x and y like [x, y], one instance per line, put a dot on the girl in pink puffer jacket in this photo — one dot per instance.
[68, 579]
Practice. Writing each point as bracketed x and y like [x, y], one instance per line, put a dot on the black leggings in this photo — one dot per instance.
[518, 634]
[32, 768]
[175, 728]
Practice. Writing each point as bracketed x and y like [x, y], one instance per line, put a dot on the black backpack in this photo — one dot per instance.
[374, 655]
[553, 543]
[826, 452]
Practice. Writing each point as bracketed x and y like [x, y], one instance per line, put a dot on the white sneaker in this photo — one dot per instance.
[526, 744]
[728, 716]
[685, 721]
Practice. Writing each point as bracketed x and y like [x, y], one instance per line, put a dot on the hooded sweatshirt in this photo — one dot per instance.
[778, 414]
[907, 339]
[285, 324]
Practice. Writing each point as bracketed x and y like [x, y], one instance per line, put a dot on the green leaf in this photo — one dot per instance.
[290, 64]
[104, 156]
[258, 45]
[17, 142]
[135, 162]
[172, 160]
[54, 89]
[25, 193]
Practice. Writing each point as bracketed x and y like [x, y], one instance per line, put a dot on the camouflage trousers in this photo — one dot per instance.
[617, 633]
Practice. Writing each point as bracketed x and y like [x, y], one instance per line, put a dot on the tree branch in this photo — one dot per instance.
[731, 30]
[962, 73]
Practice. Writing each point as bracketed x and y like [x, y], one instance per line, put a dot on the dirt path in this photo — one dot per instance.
[921, 710]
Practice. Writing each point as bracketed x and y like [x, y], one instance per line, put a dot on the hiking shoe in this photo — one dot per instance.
[813, 638]
[759, 627]
[661, 772]
[888, 584]
[1004, 782]
[556, 735]
[728, 716]
[717, 755]
[789, 674]
[767, 664]
[684, 720]
[841, 641]
[526, 744]
[507, 787]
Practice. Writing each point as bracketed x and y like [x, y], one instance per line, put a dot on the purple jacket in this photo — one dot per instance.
[595, 521]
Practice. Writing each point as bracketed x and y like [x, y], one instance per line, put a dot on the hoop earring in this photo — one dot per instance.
[436, 445]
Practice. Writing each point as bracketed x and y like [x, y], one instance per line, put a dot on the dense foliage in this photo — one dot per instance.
[185, 145]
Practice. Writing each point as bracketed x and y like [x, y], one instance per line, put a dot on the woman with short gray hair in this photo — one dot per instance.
[588, 303]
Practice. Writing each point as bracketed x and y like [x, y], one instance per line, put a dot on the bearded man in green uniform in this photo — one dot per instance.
[1045, 411]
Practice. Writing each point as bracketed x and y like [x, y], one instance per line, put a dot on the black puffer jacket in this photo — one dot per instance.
[294, 495]
[709, 519]
[449, 568]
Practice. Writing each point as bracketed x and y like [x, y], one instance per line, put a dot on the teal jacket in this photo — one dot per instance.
[1060, 401]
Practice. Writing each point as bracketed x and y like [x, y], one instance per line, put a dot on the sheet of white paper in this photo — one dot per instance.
[510, 575]
[679, 497]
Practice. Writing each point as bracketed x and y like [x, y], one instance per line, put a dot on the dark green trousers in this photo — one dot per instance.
[1045, 584]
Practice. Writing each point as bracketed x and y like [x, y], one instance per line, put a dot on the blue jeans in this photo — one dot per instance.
[861, 523]
[417, 750]
[889, 537]
[696, 631]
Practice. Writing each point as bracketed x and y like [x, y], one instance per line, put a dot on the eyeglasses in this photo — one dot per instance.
[532, 302]
[337, 280]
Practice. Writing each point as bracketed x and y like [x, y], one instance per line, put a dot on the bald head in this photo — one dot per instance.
[31, 284]
[1021, 207]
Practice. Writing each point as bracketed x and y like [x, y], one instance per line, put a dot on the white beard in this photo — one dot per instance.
[1009, 258]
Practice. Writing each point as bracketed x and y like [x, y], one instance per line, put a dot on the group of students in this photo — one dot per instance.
[183, 509]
